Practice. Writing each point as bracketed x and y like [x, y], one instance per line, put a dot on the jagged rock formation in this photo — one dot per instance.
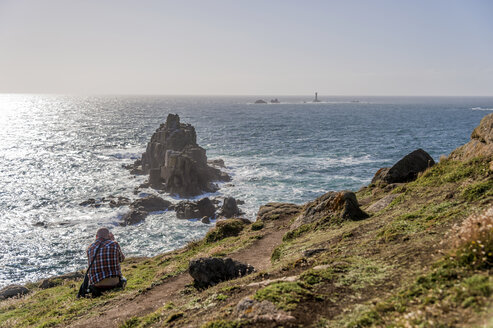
[230, 208]
[405, 170]
[192, 210]
[210, 271]
[481, 143]
[140, 208]
[333, 205]
[176, 163]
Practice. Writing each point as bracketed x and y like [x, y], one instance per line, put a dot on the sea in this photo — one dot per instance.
[57, 151]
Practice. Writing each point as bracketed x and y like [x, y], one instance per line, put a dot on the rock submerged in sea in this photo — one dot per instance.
[210, 271]
[406, 169]
[140, 208]
[176, 163]
[203, 208]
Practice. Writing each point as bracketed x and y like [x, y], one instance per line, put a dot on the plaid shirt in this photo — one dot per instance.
[107, 262]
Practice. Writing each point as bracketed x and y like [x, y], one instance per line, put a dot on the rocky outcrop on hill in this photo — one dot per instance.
[332, 206]
[176, 163]
[58, 280]
[210, 271]
[275, 211]
[13, 291]
[405, 170]
[481, 143]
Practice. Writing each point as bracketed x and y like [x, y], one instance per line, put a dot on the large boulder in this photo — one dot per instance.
[193, 210]
[230, 208]
[481, 143]
[13, 291]
[151, 203]
[210, 271]
[133, 217]
[176, 163]
[332, 206]
[405, 170]
[275, 211]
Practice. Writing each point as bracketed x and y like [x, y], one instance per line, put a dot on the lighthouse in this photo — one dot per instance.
[316, 97]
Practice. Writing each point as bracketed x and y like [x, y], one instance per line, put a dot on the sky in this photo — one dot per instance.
[247, 47]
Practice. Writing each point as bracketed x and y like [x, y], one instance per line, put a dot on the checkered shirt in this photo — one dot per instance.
[107, 262]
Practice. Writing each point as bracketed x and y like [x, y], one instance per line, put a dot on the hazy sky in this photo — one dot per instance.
[247, 47]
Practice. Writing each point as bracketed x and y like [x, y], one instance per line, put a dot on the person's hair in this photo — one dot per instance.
[103, 233]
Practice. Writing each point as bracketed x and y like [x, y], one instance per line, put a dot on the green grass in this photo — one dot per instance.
[285, 295]
[223, 229]
[223, 324]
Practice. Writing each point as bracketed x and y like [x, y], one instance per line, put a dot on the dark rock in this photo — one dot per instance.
[120, 201]
[275, 101]
[332, 206]
[40, 224]
[151, 203]
[230, 208]
[13, 291]
[133, 217]
[206, 207]
[405, 170]
[57, 280]
[155, 178]
[211, 271]
[275, 211]
[260, 101]
[240, 202]
[311, 252]
[192, 210]
[90, 201]
[182, 164]
[205, 220]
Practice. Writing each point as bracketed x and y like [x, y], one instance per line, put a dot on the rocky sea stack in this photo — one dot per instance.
[176, 163]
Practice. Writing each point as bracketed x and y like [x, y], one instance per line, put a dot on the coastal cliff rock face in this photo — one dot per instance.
[212, 270]
[333, 205]
[175, 162]
[481, 143]
[405, 170]
[230, 208]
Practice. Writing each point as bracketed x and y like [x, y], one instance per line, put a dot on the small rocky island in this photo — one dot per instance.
[176, 163]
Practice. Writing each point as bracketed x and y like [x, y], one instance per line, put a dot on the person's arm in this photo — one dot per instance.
[121, 257]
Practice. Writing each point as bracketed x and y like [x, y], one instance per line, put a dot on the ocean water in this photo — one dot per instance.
[57, 151]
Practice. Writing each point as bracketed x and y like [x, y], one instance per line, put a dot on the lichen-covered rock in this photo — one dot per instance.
[13, 291]
[265, 311]
[481, 143]
[210, 271]
[381, 203]
[406, 169]
[332, 206]
[226, 228]
[275, 211]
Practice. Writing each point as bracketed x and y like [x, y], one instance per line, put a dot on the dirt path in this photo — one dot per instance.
[114, 313]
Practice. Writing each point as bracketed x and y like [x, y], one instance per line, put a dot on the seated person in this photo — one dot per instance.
[105, 272]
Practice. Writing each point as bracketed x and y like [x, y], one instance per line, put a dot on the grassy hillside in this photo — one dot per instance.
[422, 259]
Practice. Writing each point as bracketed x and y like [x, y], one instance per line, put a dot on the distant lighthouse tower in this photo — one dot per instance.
[316, 97]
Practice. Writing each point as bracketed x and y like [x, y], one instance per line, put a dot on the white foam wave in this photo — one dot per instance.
[481, 108]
